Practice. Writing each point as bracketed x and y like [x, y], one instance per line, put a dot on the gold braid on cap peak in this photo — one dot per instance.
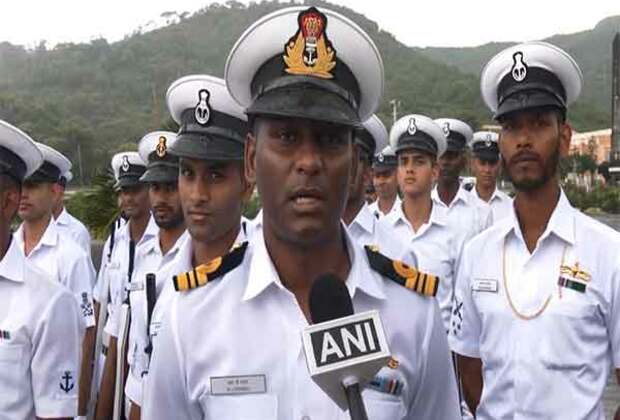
[215, 268]
[401, 273]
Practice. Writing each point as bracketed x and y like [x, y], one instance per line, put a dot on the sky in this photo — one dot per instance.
[413, 22]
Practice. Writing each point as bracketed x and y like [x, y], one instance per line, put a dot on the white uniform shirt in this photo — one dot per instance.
[556, 365]
[374, 208]
[500, 204]
[40, 342]
[248, 323]
[436, 247]
[106, 258]
[181, 263]
[365, 229]
[151, 261]
[466, 216]
[72, 227]
[118, 268]
[65, 261]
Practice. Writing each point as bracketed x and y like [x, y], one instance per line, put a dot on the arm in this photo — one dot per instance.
[105, 403]
[86, 371]
[470, 371]
[437, 394]
[55, 359]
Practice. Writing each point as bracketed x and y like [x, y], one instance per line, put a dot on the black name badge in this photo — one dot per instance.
[345, 342]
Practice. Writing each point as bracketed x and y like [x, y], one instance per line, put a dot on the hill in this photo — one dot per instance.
[591, 49]
[96, 98]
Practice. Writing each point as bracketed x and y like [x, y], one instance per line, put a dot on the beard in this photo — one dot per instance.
[549, 170]
[170, 223]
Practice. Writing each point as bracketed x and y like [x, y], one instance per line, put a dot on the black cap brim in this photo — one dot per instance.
[487, 155]
[128, 181]
[308, 102]
[528, 99]
[161, 174]
[207, 147]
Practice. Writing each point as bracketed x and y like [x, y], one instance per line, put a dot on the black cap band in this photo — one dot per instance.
[366, 142]
[222, 138]
[419, 141]
[277, 93]
[540, 88]
[456, 141]
[12, 165]
[482, 151]
[382, 162]
[47, 172]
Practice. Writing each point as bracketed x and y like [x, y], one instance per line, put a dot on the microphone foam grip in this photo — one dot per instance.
[329, 299]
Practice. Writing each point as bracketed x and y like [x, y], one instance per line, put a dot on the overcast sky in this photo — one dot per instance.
[413, 22]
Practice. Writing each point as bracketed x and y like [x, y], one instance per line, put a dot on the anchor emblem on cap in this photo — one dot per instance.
[125, 164]
[488, 141]
[380, 158]
[202, 113]
[412, 128]
[161, 147]
[446, 128]
[519, 68]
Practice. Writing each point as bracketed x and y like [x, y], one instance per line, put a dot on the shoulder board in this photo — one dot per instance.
[401, 273]
[215, 268]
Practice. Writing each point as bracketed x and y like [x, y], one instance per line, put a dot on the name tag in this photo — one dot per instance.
[485, 285]
[236, 385]
[134, 286]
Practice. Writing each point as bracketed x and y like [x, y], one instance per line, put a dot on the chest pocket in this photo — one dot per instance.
[380, 407]
[12, 361]
[240, 407]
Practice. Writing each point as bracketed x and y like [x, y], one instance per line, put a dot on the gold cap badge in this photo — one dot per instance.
[309, 52]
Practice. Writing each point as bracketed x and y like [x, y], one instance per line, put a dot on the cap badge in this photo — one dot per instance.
[412, 128]
[380, 158]
[161, 147]
[202, 112]
[519, 68]
[446, 128]
[488, 141]
[309, 52]
[125, 164]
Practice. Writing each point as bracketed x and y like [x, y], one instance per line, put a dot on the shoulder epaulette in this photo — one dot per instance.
[401, 273]
[215, 268]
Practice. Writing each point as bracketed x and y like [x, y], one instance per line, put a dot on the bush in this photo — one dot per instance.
[603, 197]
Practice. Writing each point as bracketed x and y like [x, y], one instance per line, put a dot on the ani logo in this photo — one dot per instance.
[309, 52]
[519, 68]
[412, 128]
[161, 147]
[125, 164]
[202, 112]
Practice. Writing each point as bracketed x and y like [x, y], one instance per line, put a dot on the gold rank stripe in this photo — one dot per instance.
[201, 275]
[408, 277]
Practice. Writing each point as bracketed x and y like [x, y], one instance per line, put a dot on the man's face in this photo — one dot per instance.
[485, 171]
[10, 197]
[37, 200]
[451, 165]
[166, 204]
[385, 182]
[302, 170]
[134, 201]
[531, 144]
[212, 195]
[417, 172]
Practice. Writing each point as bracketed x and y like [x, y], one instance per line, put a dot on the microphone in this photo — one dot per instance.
[343, 350]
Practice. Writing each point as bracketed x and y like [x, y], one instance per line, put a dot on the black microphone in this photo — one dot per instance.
[343, 350]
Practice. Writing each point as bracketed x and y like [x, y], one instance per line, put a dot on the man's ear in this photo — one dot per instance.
[566, 134]
[250, 159]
